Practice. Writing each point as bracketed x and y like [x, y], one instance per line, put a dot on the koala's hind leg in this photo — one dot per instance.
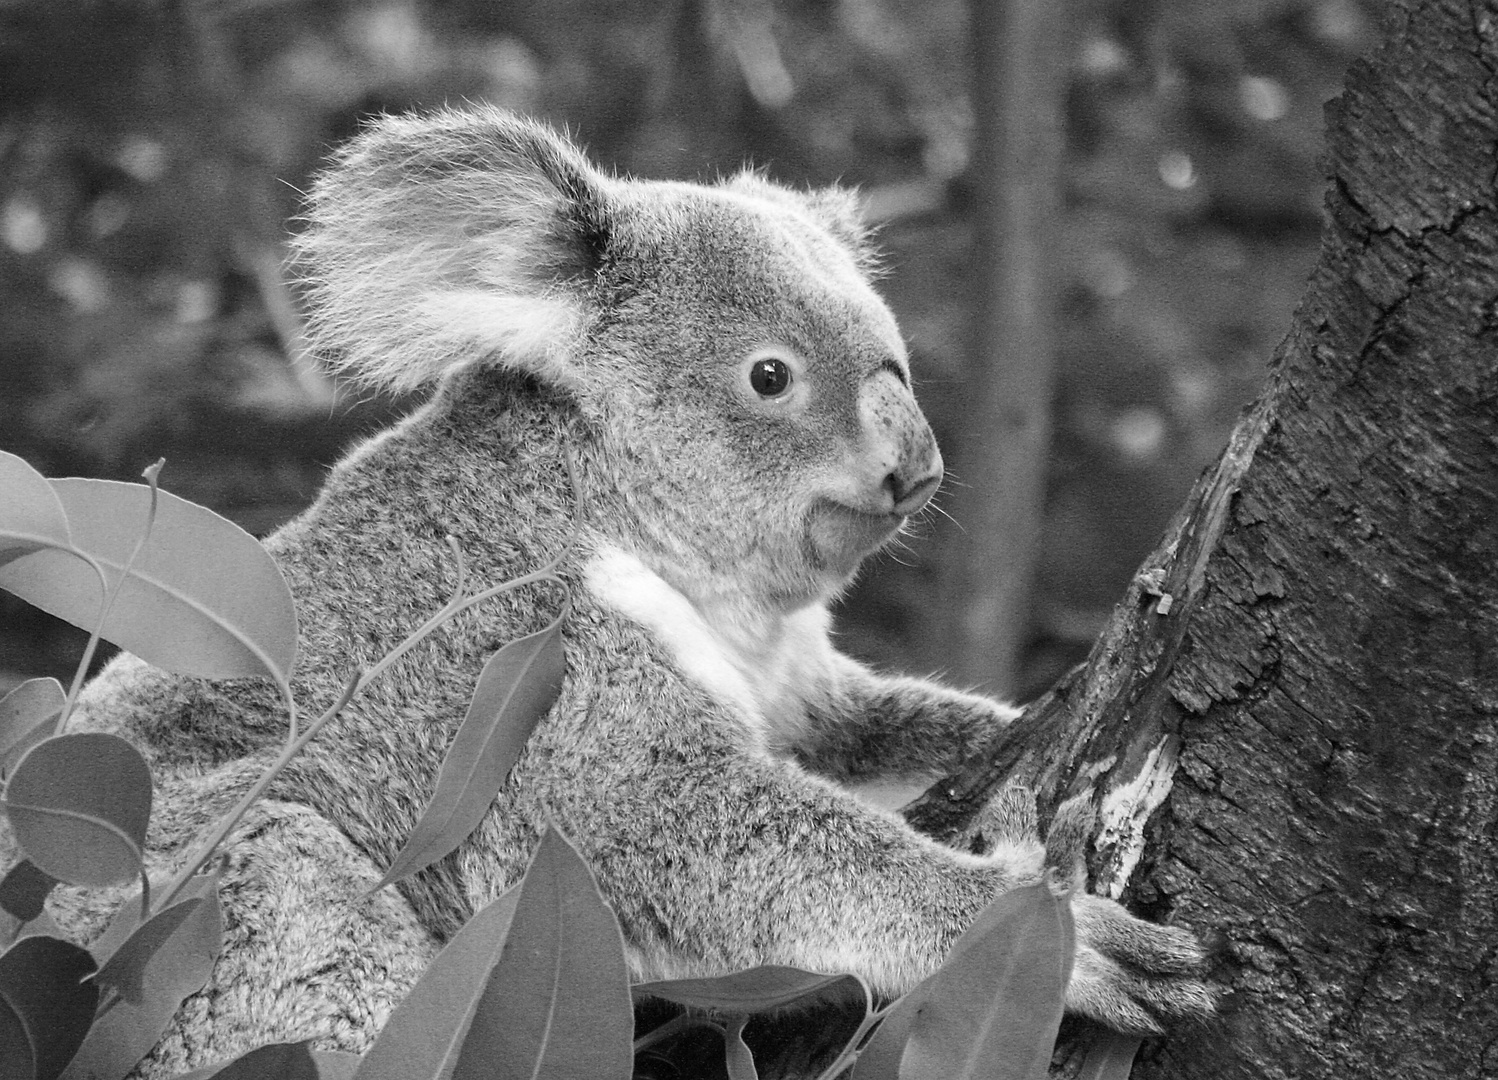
[305, 956]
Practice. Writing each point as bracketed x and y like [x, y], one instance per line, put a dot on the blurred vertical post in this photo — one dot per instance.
[1018, 93]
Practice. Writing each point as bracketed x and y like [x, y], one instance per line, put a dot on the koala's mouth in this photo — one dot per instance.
[841, 535]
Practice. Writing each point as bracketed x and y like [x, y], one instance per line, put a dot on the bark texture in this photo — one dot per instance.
[1290, 729]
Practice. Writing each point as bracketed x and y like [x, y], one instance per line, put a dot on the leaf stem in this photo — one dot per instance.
[111, 594]
[855, 1044]
[81, 671]
[672, 1027]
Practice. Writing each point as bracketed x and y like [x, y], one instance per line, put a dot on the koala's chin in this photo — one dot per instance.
[840, 536]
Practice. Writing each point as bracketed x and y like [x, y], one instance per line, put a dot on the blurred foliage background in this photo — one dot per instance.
[151, 154]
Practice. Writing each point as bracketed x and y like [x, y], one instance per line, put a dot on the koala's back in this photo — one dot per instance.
[367, 564]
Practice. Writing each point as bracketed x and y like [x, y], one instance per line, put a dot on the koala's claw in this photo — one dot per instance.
[1133, 975]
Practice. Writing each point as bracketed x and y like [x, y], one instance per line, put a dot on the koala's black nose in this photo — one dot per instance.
[911, 494]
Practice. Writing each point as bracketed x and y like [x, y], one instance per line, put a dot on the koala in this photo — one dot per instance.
[695, 394]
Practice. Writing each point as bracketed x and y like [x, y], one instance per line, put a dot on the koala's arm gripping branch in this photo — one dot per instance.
[871, 726]
[798, 873]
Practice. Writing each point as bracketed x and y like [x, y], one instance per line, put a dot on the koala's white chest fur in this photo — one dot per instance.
[762, 671]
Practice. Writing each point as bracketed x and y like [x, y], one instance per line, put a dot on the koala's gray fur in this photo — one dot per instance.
[707, 735]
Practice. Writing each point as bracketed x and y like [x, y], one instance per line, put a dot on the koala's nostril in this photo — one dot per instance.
[910, 495]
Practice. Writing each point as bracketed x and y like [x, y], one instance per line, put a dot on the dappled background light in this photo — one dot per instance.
[151, 157]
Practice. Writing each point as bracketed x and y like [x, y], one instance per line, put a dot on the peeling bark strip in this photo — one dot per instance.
[1326, 669]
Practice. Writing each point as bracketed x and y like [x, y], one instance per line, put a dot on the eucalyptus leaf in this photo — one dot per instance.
[556, 1006]
[126, 920]
[516, 688]
[24, 889]
[31, 516]
[1108, 1055]
[25, 713]
[202, 598]
[421, 1039]
[756, 990]
[335, 1065]
[737, 1057]
[46, 1005]
[125, 971]
[12, 929]
[992, 1010]
[280, 1061]
[881, 1055]
[79, 805]
[166, 969]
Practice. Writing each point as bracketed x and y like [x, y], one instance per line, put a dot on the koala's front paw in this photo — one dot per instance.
[1135, 976]
[1132, 975]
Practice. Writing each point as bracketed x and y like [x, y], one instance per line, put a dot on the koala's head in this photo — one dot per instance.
[757, 435]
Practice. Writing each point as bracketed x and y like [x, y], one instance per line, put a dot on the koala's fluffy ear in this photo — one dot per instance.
[835, 209]
[443, 239]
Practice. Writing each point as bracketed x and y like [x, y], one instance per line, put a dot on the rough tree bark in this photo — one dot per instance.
[1290, 728]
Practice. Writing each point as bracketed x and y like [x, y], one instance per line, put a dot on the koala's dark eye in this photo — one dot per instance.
[770, 376]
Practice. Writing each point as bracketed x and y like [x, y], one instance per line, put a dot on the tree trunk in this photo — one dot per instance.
[1019, 81]
[1290, 728]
